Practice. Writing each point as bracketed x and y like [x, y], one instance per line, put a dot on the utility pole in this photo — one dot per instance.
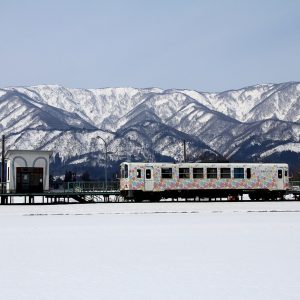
[2, 170]
[184, 151]
[105, 144]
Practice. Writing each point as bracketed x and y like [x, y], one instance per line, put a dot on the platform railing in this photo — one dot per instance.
[3, 188]
[88, 186]
[295, 185]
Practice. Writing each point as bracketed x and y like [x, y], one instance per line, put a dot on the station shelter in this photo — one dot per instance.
[27, 171]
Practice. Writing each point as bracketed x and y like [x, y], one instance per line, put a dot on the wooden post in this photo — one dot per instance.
[2, 170]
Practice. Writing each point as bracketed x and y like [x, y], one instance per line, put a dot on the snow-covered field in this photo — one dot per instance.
[151, 251]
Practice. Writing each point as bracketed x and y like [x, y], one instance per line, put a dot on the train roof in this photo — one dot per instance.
[203, 163]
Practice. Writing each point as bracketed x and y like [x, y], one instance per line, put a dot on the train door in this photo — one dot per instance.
[149, 179]
[280, 179]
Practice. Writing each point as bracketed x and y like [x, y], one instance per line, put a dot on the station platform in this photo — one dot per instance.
[70, 192]
[97, 192]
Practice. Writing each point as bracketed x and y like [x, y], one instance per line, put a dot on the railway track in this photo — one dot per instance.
[96, 193]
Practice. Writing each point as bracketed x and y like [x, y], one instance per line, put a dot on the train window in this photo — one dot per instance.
[225, 173]
[184, 173]
[239, 173]
[138, 173]
[248, 173]
[279, 173]
[197, 172]
[212, 173]
[285, 173]
[126, 171]
[166, 172]
[148, 173]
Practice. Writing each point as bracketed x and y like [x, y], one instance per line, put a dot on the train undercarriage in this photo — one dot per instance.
[198, 195]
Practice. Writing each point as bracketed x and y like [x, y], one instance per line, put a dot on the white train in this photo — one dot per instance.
[153, 181]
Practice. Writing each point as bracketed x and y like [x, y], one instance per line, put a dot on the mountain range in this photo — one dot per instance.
[256, 123]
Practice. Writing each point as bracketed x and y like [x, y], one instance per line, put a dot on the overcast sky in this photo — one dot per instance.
[202, 45]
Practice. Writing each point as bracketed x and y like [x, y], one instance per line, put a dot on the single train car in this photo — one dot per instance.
[154, 181]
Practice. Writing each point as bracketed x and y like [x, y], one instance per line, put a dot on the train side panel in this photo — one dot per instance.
[200, 178]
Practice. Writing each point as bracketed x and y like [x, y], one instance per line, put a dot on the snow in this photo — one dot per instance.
[2, 92]
[294, 147]
[78, 161]
[200, 115]
[245, 104]
[151, 251]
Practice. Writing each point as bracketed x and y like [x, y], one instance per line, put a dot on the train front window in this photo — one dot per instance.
[126, 171]
[197, 172]
[225, 173]
[184, 173]
[239, 173]
[279, 174]
[138, 173]
[212, 173]
[166, 173]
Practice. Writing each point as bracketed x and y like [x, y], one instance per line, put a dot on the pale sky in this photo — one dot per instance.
[201, 45]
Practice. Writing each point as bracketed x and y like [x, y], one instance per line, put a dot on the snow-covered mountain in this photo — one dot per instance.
[260, 122]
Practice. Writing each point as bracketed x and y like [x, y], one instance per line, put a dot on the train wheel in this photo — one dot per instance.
[253, 196]
[138, 199]
[233, 198]
[155, 199]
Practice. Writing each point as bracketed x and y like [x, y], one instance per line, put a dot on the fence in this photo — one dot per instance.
[89, 186]
[295, 185]
[3, 187]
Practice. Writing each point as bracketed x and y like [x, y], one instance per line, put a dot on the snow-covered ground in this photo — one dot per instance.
[221, 250]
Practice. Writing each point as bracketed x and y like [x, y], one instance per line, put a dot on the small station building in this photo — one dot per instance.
[27, 171]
